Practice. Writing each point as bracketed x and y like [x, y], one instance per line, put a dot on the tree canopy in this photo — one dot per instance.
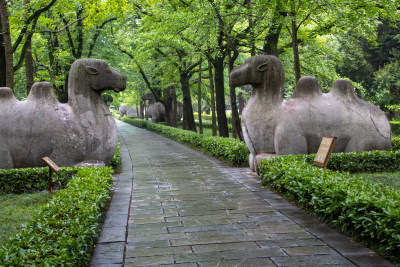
[159, 44]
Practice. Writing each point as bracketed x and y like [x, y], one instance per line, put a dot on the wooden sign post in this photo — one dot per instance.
[52, 167]
[324, 151]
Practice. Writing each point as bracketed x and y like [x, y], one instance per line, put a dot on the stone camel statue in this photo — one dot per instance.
[297, 125]
[130, 112]
[79, 133]
[156, 110]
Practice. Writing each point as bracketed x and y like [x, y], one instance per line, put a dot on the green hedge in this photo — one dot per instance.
[66, 228]
[231, 150]
[116, 160]
[18, 181]
[367, 211]
[395, 125]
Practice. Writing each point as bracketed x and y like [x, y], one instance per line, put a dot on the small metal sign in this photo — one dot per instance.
[325, 151]
[52, 167]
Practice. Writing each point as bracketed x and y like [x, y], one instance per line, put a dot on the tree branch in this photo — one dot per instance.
[35, 15]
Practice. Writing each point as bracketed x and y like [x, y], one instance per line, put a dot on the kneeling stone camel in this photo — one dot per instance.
[297, 125]
[74, 134]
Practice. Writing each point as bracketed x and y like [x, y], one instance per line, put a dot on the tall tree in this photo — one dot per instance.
[7, 44]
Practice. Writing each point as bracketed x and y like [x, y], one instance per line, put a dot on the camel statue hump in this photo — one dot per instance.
[307, 87]
[343, 88]
[42, 91]
[6, 94]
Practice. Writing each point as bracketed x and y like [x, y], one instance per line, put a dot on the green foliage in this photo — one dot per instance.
[32, 179]
[395, 125]
[364, 210]
[207, 118]
[116, 160]
[395, 143]
[18, 210]
[372, 161]
[66, 228]
[385, 178]
[230, 150]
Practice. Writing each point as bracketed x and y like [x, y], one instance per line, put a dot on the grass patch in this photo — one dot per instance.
[18, 210]
[387, 179]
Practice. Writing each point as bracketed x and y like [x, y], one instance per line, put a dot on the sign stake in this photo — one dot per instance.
[52, 167]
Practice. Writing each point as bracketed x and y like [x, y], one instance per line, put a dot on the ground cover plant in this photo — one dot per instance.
[365, 210]
[17, 210]
[65, 229]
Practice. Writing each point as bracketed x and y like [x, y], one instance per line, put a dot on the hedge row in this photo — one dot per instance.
[66, 228]
[18, 181]
[231, 150]
[395, 125]
[367, 211]
[116, 160]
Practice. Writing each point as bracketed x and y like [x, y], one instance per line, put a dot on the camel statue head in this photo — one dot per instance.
[149, 96]
[263, 71]
[97, 75]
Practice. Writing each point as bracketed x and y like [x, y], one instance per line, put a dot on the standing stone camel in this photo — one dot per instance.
[156, 110]
[296, 126]
[128, 111]
[74, 134]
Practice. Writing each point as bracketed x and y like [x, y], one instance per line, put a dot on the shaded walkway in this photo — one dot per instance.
[174, 205]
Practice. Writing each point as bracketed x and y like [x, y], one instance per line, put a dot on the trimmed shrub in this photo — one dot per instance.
[367, 211]
[66, 228]
[395, 125]
[395, 143]
[18, 181]
[116, 160]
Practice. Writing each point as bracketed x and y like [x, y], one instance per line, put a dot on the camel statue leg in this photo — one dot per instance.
[290, 141]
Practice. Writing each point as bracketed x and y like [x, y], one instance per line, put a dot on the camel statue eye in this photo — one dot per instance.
[263, 67]
[92, 70]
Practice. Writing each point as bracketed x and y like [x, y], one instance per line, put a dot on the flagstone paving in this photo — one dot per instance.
[173, 205]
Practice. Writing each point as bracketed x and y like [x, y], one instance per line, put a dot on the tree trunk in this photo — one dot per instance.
[29, 68]
[187, 102]
[141, 109]
[271, 40]
[220, 96]
[236, 127]
[28, 61]
[199, 99]
[175, 110]
[169, 111]
[2, 59]
[297, 72]
[252, 42]
[8, 51]
[213, 117]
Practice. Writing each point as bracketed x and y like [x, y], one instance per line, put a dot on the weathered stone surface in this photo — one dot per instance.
[296, 126]
[79, 131]
[128, 111]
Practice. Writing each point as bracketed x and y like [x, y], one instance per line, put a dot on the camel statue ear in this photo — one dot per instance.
[92, 70]
[263, 67]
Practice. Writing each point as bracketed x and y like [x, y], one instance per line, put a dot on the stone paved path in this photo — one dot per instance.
[174, 205]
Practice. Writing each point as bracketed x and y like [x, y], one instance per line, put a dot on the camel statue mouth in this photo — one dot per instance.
[118, 89]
